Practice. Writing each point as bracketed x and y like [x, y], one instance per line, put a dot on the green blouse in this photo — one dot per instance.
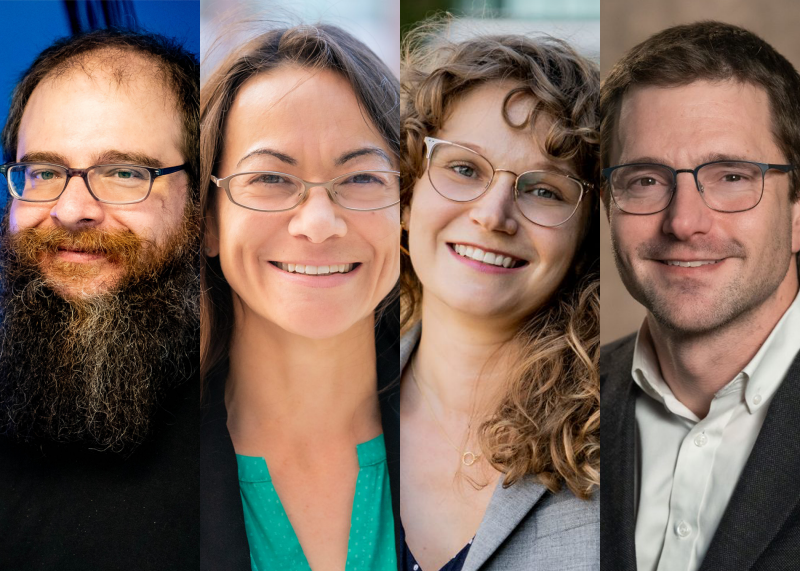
[273, 543]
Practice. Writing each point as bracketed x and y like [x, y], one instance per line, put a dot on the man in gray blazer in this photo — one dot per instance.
[700, 435]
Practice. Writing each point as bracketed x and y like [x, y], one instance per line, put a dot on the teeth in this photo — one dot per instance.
[696, 264]
[315, 270]
[485, 257]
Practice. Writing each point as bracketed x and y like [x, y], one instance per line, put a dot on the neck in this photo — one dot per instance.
[462, 361]
[696, 367]
[282, 381]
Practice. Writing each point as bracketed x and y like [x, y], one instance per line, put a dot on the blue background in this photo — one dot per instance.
[31, 26]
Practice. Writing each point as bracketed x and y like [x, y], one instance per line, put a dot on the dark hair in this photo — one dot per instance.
[711, 51]
[554, 378]
[321, 47]
[178, 68]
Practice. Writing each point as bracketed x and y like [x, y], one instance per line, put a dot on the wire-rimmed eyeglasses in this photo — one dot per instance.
[270, 191]
[462, 175]
[110, 184]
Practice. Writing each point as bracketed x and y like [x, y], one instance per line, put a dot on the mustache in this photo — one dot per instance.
[708, 248]
[32, 244]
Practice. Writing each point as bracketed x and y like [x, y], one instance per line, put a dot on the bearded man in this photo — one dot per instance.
[99, 414]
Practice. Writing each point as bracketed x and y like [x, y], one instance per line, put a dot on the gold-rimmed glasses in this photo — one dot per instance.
[461, 174]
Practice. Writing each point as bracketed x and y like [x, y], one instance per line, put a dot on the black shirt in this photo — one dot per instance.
[408, 562]
[66, 507]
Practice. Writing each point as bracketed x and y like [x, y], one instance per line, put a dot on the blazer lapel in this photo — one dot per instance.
[506, 509]
[618, 443]
[767, 490]
[387, 338]
[223, 545]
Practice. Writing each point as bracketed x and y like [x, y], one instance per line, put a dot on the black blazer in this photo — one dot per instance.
[760, 529]
[223, 540]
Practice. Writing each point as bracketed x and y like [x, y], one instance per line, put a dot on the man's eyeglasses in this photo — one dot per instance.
[725, 186]
[462, 175]
[268, 191]
[111, 184]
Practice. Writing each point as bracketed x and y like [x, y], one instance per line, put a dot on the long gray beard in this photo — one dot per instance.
[94, 371]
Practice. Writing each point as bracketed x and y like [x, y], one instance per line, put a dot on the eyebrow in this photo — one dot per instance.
[707, 158]
[111, 156]
[271, 152]
[339, 161]
[362, 152]
[545, 166]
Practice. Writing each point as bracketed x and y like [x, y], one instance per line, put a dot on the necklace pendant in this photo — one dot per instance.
[468, 458]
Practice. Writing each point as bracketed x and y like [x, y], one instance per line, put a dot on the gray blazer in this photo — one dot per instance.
[527, 528]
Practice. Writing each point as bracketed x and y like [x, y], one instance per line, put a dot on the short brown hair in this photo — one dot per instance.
[178, 68]
[710, 51]
[321, 47]
[554, 379]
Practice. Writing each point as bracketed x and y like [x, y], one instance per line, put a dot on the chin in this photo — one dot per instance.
[320, 323]
[80, 285]
[484, 308]
[689, 316]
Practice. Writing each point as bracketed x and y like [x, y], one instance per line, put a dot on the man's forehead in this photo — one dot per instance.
[93, 110]
[700, 111]
[113, 72]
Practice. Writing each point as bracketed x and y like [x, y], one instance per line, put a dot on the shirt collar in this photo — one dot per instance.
[762, 375]
[769, 366]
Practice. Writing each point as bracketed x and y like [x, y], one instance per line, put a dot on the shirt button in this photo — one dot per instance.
[683, 529]
[757, 399]
[700, 440]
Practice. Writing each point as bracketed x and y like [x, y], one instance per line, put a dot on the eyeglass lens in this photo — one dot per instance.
[109, 183]
[545, 198]
[271, 191]
[726, 186]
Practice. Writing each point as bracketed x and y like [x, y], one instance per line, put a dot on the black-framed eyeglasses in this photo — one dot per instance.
[111, 184]
[462, 175]
[725, 186]
[270, 191]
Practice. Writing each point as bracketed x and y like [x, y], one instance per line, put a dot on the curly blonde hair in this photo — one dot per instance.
[547, 423]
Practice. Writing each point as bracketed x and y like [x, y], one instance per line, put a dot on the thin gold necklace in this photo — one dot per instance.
[468, 458]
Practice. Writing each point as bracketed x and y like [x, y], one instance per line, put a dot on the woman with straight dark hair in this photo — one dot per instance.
[500, 392]
[300, 321]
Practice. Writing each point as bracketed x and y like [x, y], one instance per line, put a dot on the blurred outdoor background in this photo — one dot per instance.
[624, 24]
[576, 21]
[226, 24]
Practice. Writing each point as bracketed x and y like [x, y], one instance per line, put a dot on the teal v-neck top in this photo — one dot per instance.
[273, 543]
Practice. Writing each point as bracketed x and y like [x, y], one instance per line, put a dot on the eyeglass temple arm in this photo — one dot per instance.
[782, 168]
[170, 170]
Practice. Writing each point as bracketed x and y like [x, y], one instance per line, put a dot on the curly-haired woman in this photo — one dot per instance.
[500, 392]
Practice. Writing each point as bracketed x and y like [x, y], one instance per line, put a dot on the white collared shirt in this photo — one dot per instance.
[688, 467]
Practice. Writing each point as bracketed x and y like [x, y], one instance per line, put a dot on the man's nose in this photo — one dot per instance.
[687, 214]
[76, 208]
[317, 218]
